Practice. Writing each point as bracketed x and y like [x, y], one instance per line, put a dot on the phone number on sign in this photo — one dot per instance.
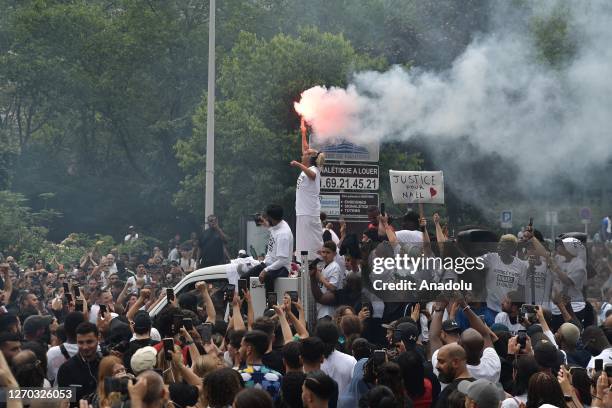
[349, 183]
[13, 394]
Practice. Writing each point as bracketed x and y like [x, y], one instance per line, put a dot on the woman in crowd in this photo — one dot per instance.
[417, 386]
[523, 368]
[544, 389]
[112, 367]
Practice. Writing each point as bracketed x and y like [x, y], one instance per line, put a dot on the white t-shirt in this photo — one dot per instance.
[489, 367]
[55, 358]
[280, 247]
[605, 306]
[334, 236]
[339, 367]
[134, 288]
[576, 271]
[307, 201]
[502, 278]
[174, 255]
[503, 318]
[333, 274]
[512, 402]
[543, 280]
[409, 238]
[188, 263]
[605, 355]
[130, 238]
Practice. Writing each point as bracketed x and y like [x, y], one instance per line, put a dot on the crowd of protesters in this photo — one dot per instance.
[88, 326]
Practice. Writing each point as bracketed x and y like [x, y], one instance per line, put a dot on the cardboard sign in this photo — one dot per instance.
[409, 187]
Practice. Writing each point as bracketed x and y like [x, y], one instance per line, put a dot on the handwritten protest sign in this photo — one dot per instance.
[410, 187]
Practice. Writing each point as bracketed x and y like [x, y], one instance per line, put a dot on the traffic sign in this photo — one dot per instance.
[348, 205]
[586, 215]
[349, 177]
[506, 219]
[343, 150]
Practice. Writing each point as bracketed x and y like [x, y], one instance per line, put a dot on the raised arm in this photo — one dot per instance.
[305, 146]
[123, 295]
[250, 311]
[440, 237]
[435, 342]
[211, 313]
[284, 324]
[237, 314]
[310, 173]
[426, 241]
[188, 375]
[328, 298]
[478, 325]
[298, 323]
[144, 296]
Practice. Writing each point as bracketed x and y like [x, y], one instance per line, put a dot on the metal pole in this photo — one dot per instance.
[209, 206]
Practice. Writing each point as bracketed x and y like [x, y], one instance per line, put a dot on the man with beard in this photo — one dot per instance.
[452, 369]
[39, 328]
[28, 306]
[81, 370]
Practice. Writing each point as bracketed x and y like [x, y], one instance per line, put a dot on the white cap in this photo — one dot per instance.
[143, 359]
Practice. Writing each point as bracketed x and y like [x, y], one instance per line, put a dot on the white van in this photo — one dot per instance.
[220, 275]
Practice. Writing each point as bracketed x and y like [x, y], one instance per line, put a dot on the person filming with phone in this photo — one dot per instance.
[277, 262]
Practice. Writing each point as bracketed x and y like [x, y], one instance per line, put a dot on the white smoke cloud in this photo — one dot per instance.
[544, 119]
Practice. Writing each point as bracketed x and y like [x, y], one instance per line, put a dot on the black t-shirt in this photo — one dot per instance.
[133, 347]
[75, 371]
[274, 360]
[211, 248]
[443, 397]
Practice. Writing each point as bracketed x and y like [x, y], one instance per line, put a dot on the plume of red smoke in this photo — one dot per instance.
[329, 112]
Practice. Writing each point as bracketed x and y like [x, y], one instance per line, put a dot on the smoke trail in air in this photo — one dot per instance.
[547, 119]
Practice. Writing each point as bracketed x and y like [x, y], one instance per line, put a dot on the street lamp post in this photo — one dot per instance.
[209, 196]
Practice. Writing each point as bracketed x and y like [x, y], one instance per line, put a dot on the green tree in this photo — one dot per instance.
[256, 128]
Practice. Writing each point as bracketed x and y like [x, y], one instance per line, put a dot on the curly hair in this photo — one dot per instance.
[220, 387]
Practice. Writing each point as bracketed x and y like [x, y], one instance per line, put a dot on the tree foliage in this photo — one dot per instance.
[102, 102]
[255, 125]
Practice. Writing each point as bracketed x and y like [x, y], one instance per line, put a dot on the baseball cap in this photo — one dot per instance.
[485, 393]
[242, 253]
[498, 328]
[450, 326]
[406, 332]
[390, 326]
[533, 329]
[35, 322]
[142, 321]
[143, 359]
[393, 324]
